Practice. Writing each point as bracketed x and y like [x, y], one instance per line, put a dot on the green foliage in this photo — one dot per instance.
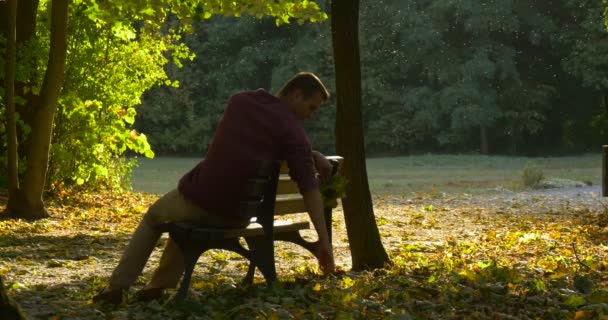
[333, 190]
[116, 52]
[109, 71]
[434, 76]
[532, 175]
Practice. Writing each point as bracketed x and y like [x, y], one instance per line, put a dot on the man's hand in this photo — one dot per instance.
[324, 168]
[325, 257]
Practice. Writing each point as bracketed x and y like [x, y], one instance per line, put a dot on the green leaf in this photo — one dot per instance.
[130, 116]
[575, 301]
[149, 154]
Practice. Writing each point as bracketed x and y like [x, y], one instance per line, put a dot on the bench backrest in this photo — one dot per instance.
[289, 200]
[272, 187]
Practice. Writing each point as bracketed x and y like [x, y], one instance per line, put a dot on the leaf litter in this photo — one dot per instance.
[526, 255]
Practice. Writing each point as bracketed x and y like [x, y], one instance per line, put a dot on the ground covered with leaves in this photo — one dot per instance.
[496, 256]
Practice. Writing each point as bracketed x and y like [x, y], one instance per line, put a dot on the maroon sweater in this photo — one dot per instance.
[256, 125]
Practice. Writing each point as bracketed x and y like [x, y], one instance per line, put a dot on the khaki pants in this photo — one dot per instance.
[171, 207]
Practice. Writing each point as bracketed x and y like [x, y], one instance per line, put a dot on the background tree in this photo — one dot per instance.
[456, 76]
[9, 309]
[100, 107]
[27, 202]
[366, 248]
[11, 44]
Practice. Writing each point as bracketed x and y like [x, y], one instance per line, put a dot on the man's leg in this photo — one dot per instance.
[140, 247]
[135, 256]
[171, 265]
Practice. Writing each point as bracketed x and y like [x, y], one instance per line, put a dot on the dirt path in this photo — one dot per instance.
[557, 198]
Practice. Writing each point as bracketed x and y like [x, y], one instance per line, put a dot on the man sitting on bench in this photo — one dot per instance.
[256, 125]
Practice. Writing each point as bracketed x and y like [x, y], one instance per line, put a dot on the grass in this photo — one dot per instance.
[421, 173]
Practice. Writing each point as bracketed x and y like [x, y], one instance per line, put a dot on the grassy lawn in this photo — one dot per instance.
[403, 175]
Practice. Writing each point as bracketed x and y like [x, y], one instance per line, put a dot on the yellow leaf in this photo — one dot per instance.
[491, 235]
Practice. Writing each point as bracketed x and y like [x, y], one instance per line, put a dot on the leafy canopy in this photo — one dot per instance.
[118, 50]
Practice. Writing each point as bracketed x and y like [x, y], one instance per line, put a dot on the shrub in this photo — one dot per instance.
[532, 175]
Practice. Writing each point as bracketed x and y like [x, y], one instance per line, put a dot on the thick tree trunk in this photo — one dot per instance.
[9, 310]
[28, 203]
[11, 123]
[363, 236]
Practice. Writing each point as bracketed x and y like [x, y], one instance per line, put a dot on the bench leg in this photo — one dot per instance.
[248, 280]
[191, 254]
[263, 258]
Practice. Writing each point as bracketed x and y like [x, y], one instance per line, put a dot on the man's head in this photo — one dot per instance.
[304, 93]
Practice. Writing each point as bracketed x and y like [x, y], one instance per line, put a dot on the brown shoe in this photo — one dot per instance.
[107, 296]
[149, 294]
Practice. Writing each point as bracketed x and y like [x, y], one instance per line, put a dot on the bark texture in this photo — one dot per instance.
[28, 203]
[366, 247]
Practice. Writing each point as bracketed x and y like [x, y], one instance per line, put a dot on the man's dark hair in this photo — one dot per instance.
[306, 82]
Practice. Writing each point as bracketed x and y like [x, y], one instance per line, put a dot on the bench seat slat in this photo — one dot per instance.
[252, 230]
[289, 204]
[287, 186]
[340, 160]
[284, 205]
[255, 229]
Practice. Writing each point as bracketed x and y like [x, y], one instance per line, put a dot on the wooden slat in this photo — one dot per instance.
[284, 205]
[337, 158]
[255, 229]
[285, 169]
[287, 186]
[287, 205]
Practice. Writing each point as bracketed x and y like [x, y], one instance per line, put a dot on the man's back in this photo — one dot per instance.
[255, 125]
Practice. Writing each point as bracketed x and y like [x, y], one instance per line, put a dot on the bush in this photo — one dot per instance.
[532, 175]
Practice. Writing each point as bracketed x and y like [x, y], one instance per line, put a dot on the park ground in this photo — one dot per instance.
[467, 241]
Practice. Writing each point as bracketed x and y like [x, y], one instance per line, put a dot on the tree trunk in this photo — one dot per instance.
[11, 123]
[28, 203]
[9, 310]
[365, 245]
[483, 131]
[26, 30]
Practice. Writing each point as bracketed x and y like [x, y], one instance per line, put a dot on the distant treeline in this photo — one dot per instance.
[507, 77]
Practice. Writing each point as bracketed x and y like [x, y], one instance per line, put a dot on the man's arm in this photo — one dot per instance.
[324, 168]
[314, 206]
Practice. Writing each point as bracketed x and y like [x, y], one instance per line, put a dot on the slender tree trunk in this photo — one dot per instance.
[11, 123]
[26, 30]
[483, 132]
[28, 202]
[363, 236]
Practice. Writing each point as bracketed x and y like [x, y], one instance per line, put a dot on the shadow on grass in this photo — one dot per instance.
[39, 248]
[383, 294]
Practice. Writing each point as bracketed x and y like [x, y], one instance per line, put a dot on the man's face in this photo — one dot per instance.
[305, 107]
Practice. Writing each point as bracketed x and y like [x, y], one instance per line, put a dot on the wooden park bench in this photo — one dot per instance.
[270, 193]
